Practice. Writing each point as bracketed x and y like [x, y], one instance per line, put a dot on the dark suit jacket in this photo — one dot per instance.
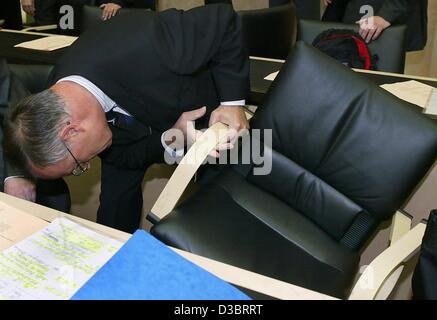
[413, 13]
[158, 65]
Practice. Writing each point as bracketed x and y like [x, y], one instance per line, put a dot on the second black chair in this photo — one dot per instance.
[389, 47]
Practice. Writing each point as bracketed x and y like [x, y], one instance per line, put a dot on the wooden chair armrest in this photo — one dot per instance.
[185, 171]
[380, 277]
[400, 226]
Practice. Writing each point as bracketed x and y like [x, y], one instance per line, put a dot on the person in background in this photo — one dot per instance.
[111, 7]
[11, 14]
[386, 13]
[44, 11]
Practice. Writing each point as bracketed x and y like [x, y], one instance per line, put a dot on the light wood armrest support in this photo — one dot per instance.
[380, 277]
[400, 226]
[194, 158]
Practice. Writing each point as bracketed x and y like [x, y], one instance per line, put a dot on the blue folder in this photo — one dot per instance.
[145, 268]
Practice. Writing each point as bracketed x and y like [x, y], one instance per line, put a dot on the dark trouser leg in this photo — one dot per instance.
[53, 194]
[307, 9]
[121, 198]
[335, 11]
[46, 12]
[11, 13]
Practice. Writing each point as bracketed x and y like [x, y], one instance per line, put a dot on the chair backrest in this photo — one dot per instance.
[269, 32]
[390, 46]
[34, 77]
[346, 153]
[92, 16]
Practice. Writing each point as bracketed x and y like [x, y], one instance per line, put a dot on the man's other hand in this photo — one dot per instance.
[28, 7]
[109, 10]
[327, 2]
[372, 27]
[186, 125]
[21, 188]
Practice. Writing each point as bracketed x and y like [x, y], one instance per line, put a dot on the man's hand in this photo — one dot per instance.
[109, 10]
[28, 7]
[234, 117]
[21, 188]
[327, 2]
[372, 27]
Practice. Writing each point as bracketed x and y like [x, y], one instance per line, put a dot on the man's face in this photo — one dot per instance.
[84, 147]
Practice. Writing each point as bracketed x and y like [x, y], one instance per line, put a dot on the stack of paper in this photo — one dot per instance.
[49, 43]
[416, 93]
[54, 262]
[411, 91]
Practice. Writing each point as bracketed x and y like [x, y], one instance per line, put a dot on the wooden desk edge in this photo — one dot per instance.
[381, 73]
[34, 33]
[250, 280]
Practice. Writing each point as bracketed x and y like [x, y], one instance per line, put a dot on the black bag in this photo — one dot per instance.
[424, 281]
[348, 47]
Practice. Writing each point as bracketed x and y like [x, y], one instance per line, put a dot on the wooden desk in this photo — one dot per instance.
[261, 67]
[239, 277]
[9, 38]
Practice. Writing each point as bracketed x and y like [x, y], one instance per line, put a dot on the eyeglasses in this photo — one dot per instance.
[79, 167]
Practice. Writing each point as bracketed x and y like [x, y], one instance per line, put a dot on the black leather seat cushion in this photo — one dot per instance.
[274, 239]
[390, 46]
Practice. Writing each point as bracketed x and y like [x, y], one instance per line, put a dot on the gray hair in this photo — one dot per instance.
[32, 129]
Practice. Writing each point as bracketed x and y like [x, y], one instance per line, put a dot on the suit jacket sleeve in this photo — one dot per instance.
[394, 11]
[137, 154]
[207, 37]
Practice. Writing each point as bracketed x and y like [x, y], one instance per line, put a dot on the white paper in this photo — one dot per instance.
[272, 76]
[411, 91]
[49, 43]
[53, 263]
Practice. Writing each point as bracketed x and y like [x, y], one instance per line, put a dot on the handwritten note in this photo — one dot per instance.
[54, 262]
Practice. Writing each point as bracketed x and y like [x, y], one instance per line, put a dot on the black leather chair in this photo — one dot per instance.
[390, 46]
[345, 156]
[270, 32]
[92, 16]
[33, 77]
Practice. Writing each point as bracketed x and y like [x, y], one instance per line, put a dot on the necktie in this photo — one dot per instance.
[128, 123]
